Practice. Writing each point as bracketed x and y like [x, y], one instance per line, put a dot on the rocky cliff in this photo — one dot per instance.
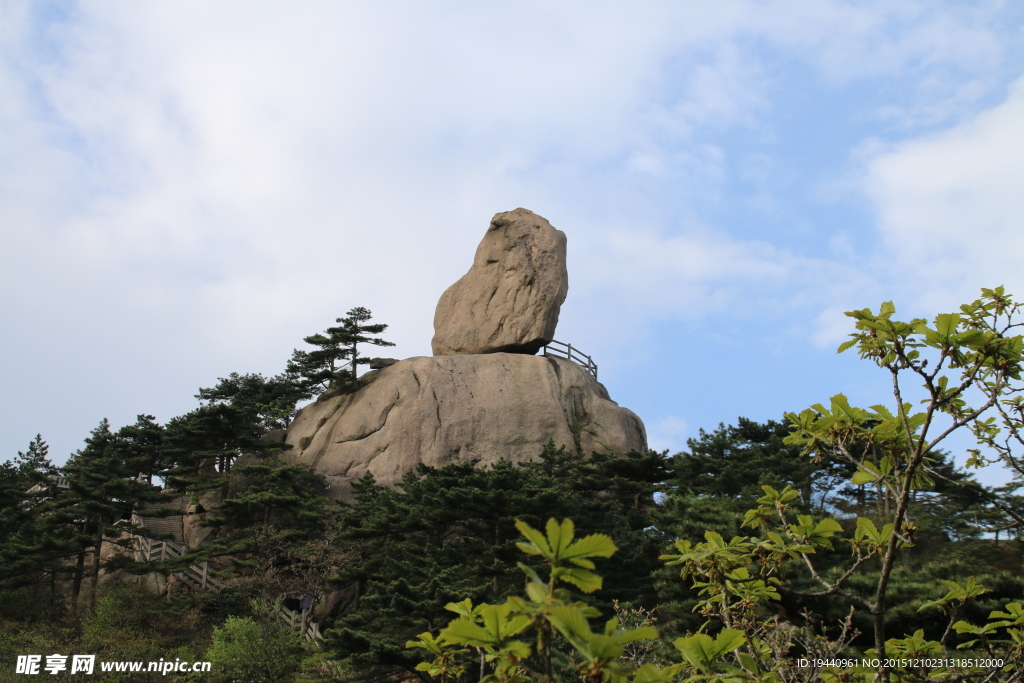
[482, 397]
[457, 409]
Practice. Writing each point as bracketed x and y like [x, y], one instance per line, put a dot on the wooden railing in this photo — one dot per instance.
[154, 550]
[299, 623]
[561, 350]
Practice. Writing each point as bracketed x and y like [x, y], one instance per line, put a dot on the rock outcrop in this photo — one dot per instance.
[483, 397]
[510, 298]
[458, 409]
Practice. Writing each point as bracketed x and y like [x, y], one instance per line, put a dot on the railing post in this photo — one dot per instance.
[559, 349]
[206, 568]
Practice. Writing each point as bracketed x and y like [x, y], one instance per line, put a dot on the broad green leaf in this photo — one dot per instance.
[536, 592]
[1014, 612]
[828, 526]
[571, 623]
[946, 323]
[865, 528]
[747, 662]
[886, 465]
[586, 581]
[537, 545]
[882, 412]
[714, 539]
[427, 642]
[466, 632]
[698, 649]
[846, 345]
[560, 535]
[496, 627]
[701, 650]
[728, 640]
[557, 545]
[861, 477]
[639, 633]
[496, 619]
[595, 545]
[601, 648]
[464, 607]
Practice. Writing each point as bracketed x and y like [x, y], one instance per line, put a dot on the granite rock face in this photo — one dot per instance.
[458, 409]
[510, 299]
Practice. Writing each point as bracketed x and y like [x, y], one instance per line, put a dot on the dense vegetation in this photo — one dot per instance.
[835, 532]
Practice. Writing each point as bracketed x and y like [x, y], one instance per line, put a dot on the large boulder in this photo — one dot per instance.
[458, 409]
[510, 298]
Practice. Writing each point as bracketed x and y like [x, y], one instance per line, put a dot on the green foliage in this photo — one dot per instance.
[557, 548]
[272, 510]
[103, 487]
[26, 483]
[547, 609]
[702, 652]
[974, 350]
[127, 623]
[446, 534]
[273, 494]
[446, 664]
[269, 403]
[720, 464]
[139, 447]
[254, 650]
[33, 466]
[201, 446]
[335, 360]
[740, 582]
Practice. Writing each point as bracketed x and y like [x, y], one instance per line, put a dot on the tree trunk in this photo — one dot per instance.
[497, 542]
[76, 585]
[96, 561]
[354, 366]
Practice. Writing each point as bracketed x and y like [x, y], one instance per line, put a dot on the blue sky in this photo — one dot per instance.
[187, 189]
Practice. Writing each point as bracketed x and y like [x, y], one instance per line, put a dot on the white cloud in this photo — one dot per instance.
[693, 272]
[950, 206]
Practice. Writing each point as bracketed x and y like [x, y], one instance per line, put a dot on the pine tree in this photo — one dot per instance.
[270, 403]
[32, 546]
[34, 464]
[139, 446]
[270, 511]
[29, 470]
[353, 333]
[336, 360]
[103, 488]
[734, 461]
[201, 446]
